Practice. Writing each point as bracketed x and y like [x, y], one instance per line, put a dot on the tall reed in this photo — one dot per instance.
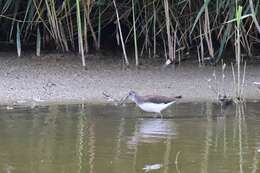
[80, 40]
[135, 35]
[238, 79]
[171, 26]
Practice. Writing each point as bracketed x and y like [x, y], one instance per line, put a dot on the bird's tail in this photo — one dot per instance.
[178, 97]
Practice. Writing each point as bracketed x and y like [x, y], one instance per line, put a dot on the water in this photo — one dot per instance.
[108, 139]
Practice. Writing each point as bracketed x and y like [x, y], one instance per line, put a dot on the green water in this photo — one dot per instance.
[192, 138]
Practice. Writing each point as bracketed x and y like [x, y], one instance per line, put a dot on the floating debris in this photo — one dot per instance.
[148, 168]
[9, 107]
[109, 98]
[258, 150]
[168, 62]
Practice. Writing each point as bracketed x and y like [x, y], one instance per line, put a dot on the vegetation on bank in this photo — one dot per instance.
[171, 27]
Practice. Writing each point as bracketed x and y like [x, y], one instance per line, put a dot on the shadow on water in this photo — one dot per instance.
[192, 137]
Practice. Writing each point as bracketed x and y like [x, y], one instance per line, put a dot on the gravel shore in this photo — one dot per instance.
[57, 78]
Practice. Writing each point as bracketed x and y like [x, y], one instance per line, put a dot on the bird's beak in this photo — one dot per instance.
[124, 99]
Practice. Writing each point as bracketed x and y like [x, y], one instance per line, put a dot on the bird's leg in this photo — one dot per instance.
[161, 115]
[155, 115]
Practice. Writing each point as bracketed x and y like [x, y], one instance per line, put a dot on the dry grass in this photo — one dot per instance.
[171, 26]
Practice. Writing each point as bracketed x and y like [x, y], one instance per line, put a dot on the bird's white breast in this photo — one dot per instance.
[154, 107]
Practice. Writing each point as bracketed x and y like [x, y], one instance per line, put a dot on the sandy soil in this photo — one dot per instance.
[55, 78]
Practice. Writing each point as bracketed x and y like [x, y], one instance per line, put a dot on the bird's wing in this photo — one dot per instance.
[158, 99]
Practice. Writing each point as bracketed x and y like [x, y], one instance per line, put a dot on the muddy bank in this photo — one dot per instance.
[56, 78]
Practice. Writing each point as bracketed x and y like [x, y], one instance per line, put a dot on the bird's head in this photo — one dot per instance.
[132, 95]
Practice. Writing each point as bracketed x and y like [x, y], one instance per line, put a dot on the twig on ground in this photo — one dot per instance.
[116, 102]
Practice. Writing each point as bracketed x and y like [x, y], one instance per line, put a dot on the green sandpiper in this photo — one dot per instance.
[152, 103]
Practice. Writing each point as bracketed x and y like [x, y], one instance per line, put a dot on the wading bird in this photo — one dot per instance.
[152, 103]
